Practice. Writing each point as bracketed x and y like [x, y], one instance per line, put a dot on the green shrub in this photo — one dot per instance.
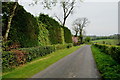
[38, 51]
[114, 51]
[62, 46]
[67, 35]
[24, 28]
[14, 58]
[87, 39]
[69, 45]
[8, 59]
[30, 31]
[108, 67]
[56, 33]
[43, 36]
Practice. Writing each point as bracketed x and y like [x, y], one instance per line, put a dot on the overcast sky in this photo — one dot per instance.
[102, 14]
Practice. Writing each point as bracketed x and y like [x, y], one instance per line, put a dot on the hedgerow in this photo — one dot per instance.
[59, 46]
[112, 50]
[67, 35]
[30, 31]
[43, 36]
[108, 67]
[24, 28]
[56, 32]
[14, 58]
[27, 32]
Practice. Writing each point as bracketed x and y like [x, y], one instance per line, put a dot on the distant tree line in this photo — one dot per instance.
[115, 36]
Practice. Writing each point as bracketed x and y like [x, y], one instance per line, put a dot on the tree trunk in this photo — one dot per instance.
[9, 21]
[64, 22]
[76, 34]
[81, 37]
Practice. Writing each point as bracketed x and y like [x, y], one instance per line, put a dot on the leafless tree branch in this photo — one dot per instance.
[58, 19]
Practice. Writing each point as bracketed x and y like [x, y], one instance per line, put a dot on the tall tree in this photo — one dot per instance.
[81, 23]
[67, 7]
[11, 14]
[75, 29]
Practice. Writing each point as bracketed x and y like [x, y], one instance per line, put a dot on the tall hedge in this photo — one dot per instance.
[25, 29]
[43, 36]
[56, 33]
[29, 31]
[67, 35]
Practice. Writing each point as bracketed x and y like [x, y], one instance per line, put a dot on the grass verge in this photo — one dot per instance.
[39, 64]
[107, 66]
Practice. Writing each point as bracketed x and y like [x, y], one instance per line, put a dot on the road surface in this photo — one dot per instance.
[79, 64]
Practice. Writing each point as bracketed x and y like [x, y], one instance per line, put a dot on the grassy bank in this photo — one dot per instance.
[107, 66]
[39, 64]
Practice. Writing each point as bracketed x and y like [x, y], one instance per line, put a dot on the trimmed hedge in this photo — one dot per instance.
[24, 29]
[8, 60]
[67, 35]
[43, 37]
[59, 46]
[114, 51]
[56, 32]
[108, 67]
[38, 51]
[29, 31]
[14, 58]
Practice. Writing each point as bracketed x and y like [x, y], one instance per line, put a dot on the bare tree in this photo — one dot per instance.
[68, 7]
[58, 19]
[75, 29]
[81, 23]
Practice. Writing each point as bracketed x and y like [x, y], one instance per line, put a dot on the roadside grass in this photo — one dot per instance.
[39, 64]
[107, 66]
[107, 41]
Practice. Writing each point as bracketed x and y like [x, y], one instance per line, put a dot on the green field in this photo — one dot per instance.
[107, 41]
[29, 69]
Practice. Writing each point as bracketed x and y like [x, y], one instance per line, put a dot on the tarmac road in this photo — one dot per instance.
[79, 64]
